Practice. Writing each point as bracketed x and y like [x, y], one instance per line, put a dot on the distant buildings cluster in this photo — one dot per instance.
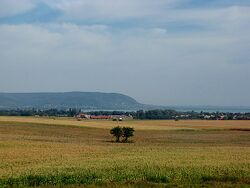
[113, 117]
[226, 116]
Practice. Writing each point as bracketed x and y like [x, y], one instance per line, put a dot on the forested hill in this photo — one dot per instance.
[84, 100]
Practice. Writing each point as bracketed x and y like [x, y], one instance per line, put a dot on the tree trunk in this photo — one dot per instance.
[117, 139]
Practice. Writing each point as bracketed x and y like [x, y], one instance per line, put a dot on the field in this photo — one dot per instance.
[58, 152]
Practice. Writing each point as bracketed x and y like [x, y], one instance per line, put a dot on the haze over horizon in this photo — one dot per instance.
[164, 52]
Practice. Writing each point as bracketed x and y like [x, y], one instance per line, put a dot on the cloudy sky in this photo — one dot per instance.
[168, 52]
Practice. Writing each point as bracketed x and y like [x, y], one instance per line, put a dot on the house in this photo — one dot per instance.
[207, 117]
[82, 115]
[121, 117]
[100, 117]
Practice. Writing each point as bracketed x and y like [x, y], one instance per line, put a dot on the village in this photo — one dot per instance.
[103, 117]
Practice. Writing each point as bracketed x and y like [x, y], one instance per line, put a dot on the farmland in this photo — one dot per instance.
[63, 151]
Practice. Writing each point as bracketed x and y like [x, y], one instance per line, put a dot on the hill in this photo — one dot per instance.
[83, 100]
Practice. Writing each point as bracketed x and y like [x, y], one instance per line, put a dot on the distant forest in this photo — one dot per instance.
[140, 114]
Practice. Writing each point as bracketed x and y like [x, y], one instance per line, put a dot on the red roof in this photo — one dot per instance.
[100, 117]
[81, 114]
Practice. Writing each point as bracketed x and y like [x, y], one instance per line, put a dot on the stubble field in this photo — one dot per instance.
[66, 152]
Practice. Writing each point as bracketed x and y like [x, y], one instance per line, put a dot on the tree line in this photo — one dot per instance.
[140, 114]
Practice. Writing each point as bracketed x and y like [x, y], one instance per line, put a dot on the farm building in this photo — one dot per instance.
[114, 117]
[82, 115]
[121, 117]
[100, 117]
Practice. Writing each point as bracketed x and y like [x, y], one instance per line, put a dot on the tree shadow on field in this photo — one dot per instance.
[239, 129]
[121, 142]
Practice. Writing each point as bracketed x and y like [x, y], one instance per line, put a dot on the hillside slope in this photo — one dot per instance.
[84, 100]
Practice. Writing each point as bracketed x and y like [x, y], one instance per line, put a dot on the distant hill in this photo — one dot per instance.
[83, 100]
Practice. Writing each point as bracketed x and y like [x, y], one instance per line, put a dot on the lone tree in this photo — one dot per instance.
[127, 132]
[124, 132]
[117, 132]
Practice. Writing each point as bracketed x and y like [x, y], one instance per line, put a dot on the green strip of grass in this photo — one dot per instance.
[168, 176]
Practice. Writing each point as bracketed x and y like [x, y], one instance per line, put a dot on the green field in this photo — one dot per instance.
[47, 153]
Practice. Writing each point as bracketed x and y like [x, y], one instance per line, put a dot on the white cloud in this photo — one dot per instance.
[65, 36]
[112, 9]
[220, 17]
[150, 12]
[175, 66]
[14, 7]
[95, 44]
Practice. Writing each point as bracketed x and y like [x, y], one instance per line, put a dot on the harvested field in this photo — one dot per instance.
[138, 124]
[45, 152]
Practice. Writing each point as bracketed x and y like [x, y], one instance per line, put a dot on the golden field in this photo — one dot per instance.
[137, 124]
[37, 151]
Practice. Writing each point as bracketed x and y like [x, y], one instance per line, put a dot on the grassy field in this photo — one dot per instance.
[65, 152]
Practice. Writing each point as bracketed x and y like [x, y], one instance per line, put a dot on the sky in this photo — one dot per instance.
[164, 52]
